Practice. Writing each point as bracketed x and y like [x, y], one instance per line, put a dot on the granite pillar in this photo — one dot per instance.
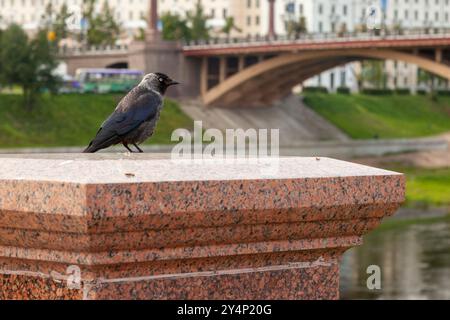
[118, 226]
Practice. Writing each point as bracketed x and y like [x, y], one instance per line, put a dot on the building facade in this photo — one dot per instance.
[252, 19]
[132, 14]
[334, 16]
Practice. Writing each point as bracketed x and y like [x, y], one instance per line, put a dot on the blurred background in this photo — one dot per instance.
[369, 83]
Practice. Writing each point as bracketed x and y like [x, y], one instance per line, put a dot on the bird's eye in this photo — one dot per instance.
[160, 79]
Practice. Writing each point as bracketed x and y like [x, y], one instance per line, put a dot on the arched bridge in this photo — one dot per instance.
[261, 72]
[255, 72]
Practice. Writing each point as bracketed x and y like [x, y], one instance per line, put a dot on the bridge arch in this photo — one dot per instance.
[270, 79]
[118, 65]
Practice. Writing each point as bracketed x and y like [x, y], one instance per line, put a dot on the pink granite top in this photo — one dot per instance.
[112, 209]
[136, 168]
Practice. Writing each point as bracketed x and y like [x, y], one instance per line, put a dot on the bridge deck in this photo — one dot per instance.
[277, 46]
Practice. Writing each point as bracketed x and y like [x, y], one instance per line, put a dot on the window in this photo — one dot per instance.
[249, 3]
[320, 26]
[343, 78]
[320, 9]
[249, 20]
[300, 9]
[344, 10]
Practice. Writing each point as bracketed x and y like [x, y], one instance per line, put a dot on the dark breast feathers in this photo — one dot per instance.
[133, 121]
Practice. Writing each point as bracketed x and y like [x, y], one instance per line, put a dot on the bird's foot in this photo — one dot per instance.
[128, 148]
[137, 147]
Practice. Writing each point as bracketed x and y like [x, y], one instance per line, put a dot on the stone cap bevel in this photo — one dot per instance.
[145, 168]
[300, 183]
[156, 210]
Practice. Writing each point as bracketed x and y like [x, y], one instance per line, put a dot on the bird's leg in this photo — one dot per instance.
[137, 147]
[128, 148]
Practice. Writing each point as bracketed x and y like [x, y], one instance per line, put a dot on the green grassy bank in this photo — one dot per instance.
[427, 187]
[71, 120]
[385, 116]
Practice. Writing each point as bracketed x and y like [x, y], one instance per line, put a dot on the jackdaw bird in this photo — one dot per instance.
[135, 117]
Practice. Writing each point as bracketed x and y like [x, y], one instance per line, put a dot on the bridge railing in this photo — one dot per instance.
[84, 50]
[322, 37]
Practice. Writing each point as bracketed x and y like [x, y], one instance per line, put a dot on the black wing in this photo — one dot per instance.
[132, 111]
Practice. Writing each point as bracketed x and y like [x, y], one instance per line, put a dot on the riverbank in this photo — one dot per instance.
[383, 116]
[71, 120]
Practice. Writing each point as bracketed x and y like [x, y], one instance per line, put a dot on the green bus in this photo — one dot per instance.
[107, 80]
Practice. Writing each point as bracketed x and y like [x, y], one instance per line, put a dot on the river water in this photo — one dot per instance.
[414, 262]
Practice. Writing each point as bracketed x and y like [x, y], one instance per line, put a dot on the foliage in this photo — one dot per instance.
[175, 27]
[229, 26]
[102, 28]
[385, 116]
[198, 23]
[362, 28]
[373, 73]
[377, 92]
[193, 27]
[430, 80]
[402, 91]
[342, 30]
[71, 120]
[315, 89]
[296, 28]
[429, 187]
[30, 63]
[343, 90]
[421, 92]
[56, 22]
[443, 92]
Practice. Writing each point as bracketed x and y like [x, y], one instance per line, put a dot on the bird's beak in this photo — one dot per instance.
[173, 83]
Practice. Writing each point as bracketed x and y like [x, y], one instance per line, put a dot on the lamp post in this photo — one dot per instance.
[152, 30]
[271, 33]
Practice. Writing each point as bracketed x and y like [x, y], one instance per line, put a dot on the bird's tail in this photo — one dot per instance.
[90, 149]
[98, 144]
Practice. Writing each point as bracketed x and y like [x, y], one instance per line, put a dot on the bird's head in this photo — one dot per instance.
[157, 81]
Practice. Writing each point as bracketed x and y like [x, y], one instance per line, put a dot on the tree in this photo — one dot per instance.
[198, 23]
[397, 28]
[373, 72]
[56, 22]
[29, 63]
[230, 26]
[175, 27]
[342, 29]
[430, 80]
[193, 27]
[296, 28]
[361, 28]
[102, 28]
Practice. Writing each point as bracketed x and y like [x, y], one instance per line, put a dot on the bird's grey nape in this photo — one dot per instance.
[150, 82]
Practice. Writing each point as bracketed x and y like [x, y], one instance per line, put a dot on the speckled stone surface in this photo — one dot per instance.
[148, 227]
